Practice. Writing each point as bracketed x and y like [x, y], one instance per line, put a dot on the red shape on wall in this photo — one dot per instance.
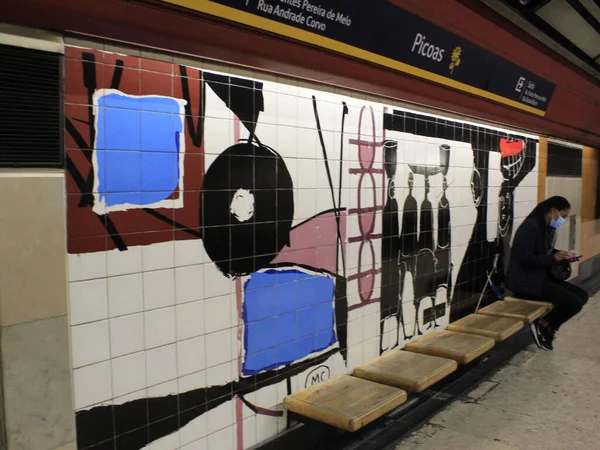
[88, 70]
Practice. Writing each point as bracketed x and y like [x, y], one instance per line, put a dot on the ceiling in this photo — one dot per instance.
[569, 27]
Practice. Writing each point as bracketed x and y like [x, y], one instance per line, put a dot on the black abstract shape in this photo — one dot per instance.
[243, 97]
[484, 263]
[341, 301]
[426, 221]
[410, 222]
[85, 185]
[444, 241]
[390, 305]
[339, 203]
[115, 82]
[132, 425]
[88, 61]
[416, 252]
[481, 268]
[328, 171]
[341, 314]
[239, 246]
[196, 132]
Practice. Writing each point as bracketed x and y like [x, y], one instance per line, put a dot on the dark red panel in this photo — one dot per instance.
[87, 230]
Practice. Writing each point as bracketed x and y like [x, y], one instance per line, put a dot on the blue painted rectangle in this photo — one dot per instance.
[137, 148]
[288, 315]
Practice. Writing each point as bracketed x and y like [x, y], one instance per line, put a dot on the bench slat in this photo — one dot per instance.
[525, 311]
[413, 372]
[546, 305]
[497, 328]
[461, 347]
[346, 402]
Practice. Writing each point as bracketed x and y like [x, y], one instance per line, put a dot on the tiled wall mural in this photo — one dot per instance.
[232, 241]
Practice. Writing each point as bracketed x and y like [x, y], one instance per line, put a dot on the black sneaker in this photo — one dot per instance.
[538, 335]
[548, 336]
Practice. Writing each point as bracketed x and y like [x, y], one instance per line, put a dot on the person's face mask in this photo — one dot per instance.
[558, 222]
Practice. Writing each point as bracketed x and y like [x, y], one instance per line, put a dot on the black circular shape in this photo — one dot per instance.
[241, 245]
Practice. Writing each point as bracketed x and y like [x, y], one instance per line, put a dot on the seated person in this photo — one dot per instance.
[532, 257]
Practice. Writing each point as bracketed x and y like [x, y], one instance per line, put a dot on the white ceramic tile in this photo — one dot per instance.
[306, 203]
[370, 326]
[355, 356]
[219, 375]
[249, 431]
[221, 417]
[266, 427]
[161, 364]
[158, 256]
[160, 327]
[122, 263]
[190, 320]
[126, 335]
[187, 383]
[200, 444]
[159, 289]
[92, 384]
[307, 173]
[288, 110]
[88, 301]
[189, 252]
[218, 313]
[217, 283]
[287, 144]
[370, 349]
[194, 431]
[189, 283]
[87, 266]
[191, 356]
[164, 389]
[90, 343]
[125, 295]
[129, 374]
[222, 440]
[219, 348]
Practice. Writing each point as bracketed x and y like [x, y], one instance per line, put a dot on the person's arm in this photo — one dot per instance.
[523, 248]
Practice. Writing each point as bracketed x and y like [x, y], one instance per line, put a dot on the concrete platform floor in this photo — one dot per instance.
[540, 400]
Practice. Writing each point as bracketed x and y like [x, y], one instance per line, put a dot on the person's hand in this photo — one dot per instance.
[561, 255]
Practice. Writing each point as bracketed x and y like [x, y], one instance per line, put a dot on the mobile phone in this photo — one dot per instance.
[574, 257]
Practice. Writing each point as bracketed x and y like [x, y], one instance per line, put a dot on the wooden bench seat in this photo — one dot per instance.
[461, 347]
[522, 310]
[498, 328]
[346, 402]
[546, 305]
[413, 372]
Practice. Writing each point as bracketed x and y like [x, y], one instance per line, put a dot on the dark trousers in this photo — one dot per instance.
[567, 299]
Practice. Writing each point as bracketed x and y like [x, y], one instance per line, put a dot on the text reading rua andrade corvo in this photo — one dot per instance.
[303, 12]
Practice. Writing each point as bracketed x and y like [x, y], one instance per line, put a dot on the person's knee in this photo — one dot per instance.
[580, 293]
[583, 296]
[575, 306]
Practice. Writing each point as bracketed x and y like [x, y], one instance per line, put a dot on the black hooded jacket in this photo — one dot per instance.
[531, 257]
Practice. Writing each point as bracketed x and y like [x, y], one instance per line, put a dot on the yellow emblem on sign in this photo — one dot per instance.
[455, 58]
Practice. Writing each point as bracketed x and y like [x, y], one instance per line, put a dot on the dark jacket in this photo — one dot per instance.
[531, 257]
